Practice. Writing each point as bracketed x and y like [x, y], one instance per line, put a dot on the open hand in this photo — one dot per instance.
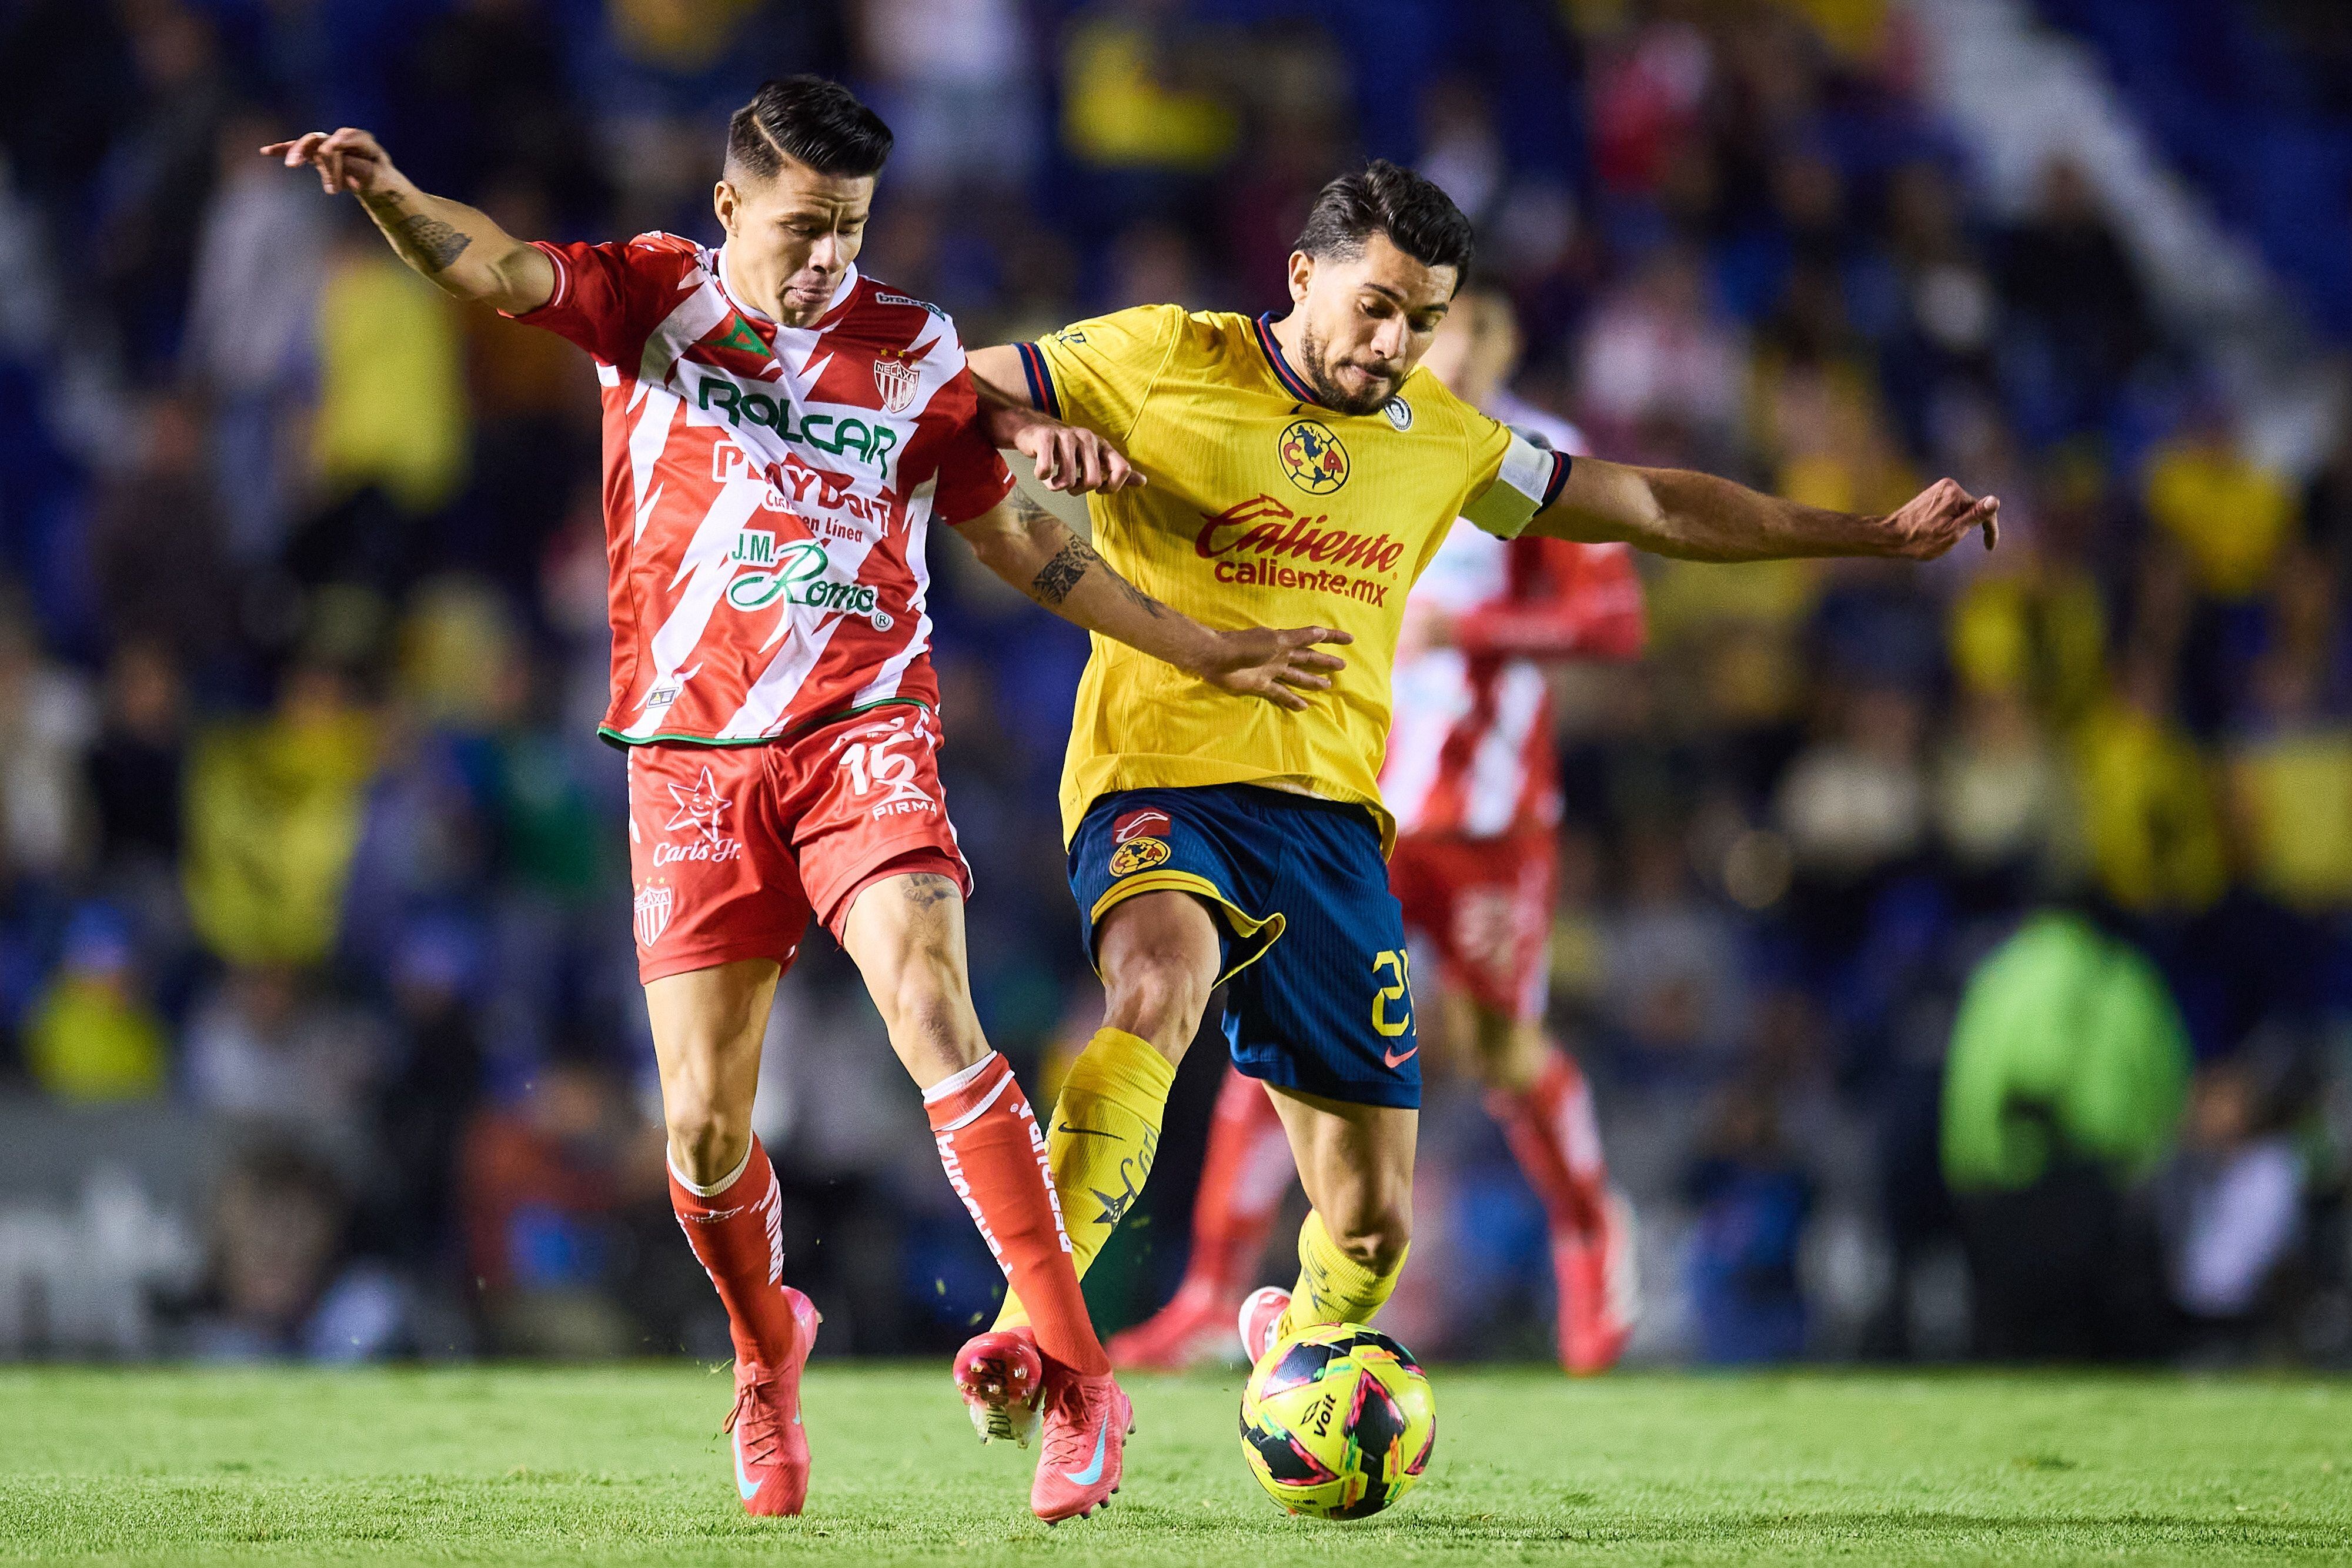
[1074, 460]
[1938, 518]
[1277, 666]
[349, 162]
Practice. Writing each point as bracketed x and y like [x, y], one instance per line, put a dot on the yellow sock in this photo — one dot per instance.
[1333, 1288]
[1104, 1133]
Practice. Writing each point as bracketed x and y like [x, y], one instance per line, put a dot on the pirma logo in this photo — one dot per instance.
[655, 901]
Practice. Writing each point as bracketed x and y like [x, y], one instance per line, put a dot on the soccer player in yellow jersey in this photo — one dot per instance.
[1298, 468]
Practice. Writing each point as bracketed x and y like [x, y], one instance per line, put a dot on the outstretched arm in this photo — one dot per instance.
[1034, 551]
[1698, 517]
[452, 245]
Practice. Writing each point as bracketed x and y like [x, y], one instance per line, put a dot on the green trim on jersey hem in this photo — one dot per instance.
[617, 738]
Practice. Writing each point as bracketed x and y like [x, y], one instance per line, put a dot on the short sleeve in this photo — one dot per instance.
[1096, 374]
[608, 296]
[971, 477]
[1515, 473]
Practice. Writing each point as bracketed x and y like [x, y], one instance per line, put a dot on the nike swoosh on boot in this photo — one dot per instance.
[1093, 1473]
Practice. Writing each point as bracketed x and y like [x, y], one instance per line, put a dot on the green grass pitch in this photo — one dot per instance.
[623, 1466]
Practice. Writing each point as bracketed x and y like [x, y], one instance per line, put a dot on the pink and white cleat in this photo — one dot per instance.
[1261, 1318]
[1189, 1330]
[1600, 1291]
[772, 1452]
[1002, 1380]
[1087, 1423]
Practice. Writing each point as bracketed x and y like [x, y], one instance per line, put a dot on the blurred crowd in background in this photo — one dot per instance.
[1959, 954]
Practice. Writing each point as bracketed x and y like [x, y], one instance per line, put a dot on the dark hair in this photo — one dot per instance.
[810, 120]
[1419, 219]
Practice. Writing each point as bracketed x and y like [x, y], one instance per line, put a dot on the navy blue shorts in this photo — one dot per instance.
[1321, 995]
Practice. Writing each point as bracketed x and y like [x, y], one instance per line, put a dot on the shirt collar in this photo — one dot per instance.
[1292, 382]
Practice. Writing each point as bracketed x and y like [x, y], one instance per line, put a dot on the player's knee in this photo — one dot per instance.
[707, 1138]
[1374, 1235]
[1159, 997]
[928, 1008]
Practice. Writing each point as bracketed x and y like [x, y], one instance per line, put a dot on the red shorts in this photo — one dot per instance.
[1485, 903]
[731, 848]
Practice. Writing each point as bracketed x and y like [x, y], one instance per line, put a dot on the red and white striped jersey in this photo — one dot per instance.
[1470, 750]
[767, 489]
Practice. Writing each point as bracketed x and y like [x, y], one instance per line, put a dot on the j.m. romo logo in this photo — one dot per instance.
[1312, 456]
[794, 572]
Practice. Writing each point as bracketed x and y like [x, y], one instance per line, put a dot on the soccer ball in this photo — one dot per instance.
[1338, 1422]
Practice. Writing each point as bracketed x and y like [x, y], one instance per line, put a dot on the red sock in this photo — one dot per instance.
[1550, 1128]
[1244, 1174]
[738, 1233]
[994, 1153]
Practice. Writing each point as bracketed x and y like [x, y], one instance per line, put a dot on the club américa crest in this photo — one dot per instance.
[895, 380]
[1135, 844]
[655, 901]
[1311, 454]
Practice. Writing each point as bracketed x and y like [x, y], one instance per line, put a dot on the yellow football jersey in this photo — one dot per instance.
[1263, 508]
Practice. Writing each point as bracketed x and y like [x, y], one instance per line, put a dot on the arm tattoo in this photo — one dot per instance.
[1061, 574]
[430, 243]
[1054, 581]
[1074, 560]
[424, 242]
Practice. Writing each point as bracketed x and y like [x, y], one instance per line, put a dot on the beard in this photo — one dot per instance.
[1327, 390]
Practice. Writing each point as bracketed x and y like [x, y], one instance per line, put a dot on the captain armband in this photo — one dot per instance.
[1529, 481]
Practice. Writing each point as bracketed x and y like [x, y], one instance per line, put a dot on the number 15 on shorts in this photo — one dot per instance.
[1393, 992]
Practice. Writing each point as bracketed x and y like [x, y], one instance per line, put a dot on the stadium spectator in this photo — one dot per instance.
[93, 1034]
[543, 1185]
[282, 1281]
[2068, 1071]
[2234, 1198]
[266, 1046]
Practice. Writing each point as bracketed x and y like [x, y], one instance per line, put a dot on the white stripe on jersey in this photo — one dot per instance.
[885, 683]
[679, 331]
[647, 437]
[706, 559]
[1431, 696]
[1498, 771]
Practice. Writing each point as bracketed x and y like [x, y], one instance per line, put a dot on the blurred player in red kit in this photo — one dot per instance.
[780, 430]
[1471, 776]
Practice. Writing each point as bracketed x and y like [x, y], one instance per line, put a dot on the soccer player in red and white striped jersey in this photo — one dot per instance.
[1471, 777]
[780, 430]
